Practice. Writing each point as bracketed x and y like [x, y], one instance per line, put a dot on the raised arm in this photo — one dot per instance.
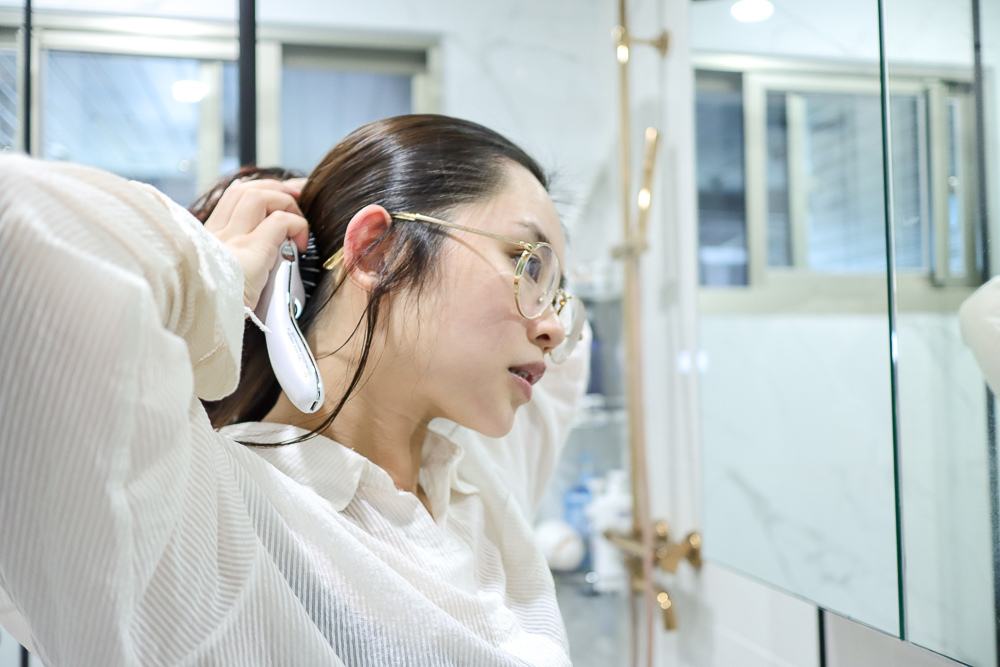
[979, 318]
[115, 314]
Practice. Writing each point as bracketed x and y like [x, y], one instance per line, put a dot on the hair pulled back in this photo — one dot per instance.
[426, 164]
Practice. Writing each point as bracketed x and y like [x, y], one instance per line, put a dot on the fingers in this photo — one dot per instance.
[293, 186]
[245, 204]
[281, 225]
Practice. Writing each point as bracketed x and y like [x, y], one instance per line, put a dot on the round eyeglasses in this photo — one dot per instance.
[536, 285]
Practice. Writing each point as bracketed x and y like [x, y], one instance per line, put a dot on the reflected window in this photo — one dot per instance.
[722, 224]
[821, 142]
[825, 155]
[779, 224]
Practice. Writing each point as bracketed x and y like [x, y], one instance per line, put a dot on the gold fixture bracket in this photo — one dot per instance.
[667, 555]
[623, 39]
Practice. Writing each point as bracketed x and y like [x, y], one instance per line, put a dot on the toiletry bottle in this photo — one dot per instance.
[577, 499]
[611, 509]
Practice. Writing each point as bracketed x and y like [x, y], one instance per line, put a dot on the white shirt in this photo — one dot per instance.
[979, 318]
[131, 532]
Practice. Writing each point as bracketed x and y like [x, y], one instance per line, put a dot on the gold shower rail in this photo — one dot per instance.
[641, 549]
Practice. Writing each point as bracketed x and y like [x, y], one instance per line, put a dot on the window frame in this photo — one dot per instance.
[796, 289]
[214, 43]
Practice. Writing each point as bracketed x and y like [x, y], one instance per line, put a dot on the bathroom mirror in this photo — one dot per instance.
[796, 387]
[852, 477]
[943, 440]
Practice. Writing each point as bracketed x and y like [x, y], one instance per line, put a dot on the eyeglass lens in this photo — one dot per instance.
[573, 318]
[539, 281]
[537, 290]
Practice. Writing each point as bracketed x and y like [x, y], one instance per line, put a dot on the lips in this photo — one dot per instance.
[531, 373]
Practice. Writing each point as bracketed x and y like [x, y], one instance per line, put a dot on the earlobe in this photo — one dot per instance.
[363, 232]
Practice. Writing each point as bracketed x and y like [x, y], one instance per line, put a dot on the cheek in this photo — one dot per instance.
[480, 298]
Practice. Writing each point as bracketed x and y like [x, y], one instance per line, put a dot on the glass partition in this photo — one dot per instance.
[813, 433]
[797, 415]
[943, 438]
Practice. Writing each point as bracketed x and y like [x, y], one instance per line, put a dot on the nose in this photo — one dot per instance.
[546, 331]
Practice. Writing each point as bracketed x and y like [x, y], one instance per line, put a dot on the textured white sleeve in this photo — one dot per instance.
[526, 458]
[979, 318]
[114, 310]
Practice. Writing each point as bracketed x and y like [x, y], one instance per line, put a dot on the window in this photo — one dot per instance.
[9, 99]
[136, 116]
[790, 177]
[163, 108]
[327, 93]
[722, 225]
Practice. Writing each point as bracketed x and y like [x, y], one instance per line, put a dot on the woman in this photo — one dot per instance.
[393, 527]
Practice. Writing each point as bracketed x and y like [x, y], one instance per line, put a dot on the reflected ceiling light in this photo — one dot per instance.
[749, 11]
[189, 91]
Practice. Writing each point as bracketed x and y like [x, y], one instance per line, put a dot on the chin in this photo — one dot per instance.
[494, 425]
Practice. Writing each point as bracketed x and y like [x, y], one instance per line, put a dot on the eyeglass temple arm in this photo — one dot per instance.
[445, 223]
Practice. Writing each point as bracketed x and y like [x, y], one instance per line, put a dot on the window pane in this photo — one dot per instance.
[956, 242]
[9, 99]
[319, 107]
[843, 154]
[722, 242]
[841, 169]
[909, 182]
[125, 114]
[779, 235]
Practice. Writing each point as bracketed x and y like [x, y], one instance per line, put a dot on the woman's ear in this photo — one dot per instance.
[363, 231]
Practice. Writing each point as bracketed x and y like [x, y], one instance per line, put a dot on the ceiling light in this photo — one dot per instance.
[749, 11]
[189, 91]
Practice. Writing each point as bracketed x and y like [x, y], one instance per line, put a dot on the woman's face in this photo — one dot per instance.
[468, 345]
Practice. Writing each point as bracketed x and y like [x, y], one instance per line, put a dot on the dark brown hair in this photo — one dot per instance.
[419, 163]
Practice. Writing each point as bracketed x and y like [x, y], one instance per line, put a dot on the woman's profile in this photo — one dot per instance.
[162, 502]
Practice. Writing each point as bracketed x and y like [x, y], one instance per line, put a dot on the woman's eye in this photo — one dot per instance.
[533, 268]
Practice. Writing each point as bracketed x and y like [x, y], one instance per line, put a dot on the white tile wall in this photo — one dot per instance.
[849, 644]
[798, 457]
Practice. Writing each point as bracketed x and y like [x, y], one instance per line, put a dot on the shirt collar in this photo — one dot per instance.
[335, 471]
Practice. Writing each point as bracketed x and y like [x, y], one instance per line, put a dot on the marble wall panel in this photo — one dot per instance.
[797, 437]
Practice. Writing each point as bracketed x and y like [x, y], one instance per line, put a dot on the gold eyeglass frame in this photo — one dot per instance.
[561, 297]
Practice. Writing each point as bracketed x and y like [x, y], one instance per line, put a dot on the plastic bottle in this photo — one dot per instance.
[576, 502]
[611, 509]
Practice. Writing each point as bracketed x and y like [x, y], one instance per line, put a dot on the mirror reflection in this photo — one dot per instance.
[944, 436]
[797, 418]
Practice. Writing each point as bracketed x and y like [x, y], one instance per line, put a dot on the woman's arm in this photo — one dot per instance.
[114, 315]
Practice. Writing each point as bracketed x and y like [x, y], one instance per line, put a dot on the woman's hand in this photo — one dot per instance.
[252, 219]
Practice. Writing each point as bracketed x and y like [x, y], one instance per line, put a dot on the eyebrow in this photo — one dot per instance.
[534, 229]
